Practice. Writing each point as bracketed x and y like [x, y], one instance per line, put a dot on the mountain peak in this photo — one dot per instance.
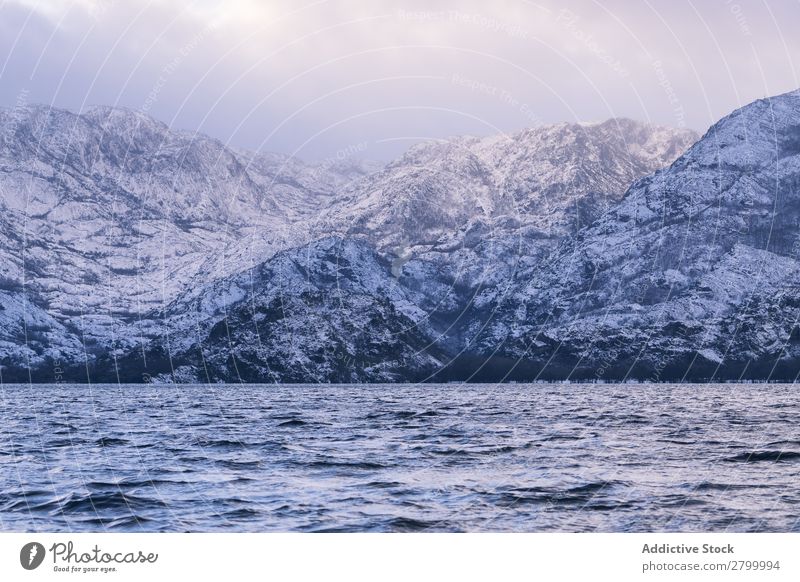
[764, 117]
[118, 117]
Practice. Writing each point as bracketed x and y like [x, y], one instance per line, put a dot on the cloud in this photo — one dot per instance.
[56, 10]
[316, 76]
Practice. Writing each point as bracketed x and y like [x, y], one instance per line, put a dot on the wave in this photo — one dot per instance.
[103, 500]
[762, 456]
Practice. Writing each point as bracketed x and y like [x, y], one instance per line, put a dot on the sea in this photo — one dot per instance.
[400, 458]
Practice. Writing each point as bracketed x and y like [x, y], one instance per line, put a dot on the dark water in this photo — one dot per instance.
[400, 458]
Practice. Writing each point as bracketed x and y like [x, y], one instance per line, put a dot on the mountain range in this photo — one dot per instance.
[608, 251]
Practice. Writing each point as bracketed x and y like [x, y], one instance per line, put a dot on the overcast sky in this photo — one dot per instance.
[318, 78]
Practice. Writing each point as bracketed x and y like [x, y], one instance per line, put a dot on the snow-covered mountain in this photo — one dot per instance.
[109, 215]
[551, 178]
[423, 292]
[127, 247]
[695, 274]
[502, 204]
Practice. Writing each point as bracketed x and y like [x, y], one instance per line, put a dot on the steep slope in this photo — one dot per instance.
[328, 312]
[109, 215]
[694, 274]
[512, 200]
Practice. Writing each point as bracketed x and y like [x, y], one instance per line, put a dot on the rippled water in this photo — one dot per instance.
[400, 458]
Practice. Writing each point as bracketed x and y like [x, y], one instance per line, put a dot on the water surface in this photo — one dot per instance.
[400, 458]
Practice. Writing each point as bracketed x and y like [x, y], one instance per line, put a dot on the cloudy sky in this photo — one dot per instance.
[317, 78]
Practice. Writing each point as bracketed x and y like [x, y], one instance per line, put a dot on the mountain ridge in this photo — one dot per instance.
[110, 287]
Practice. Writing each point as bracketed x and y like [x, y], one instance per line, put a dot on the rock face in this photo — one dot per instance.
[132, 252]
